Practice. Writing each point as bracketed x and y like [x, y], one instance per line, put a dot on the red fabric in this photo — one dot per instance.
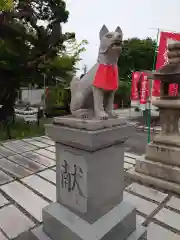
[144, 89]
[173, 89]
[145, 77]
[134, 85]
[106, 77]
[116, 106]
[162, 60]
[47, 91]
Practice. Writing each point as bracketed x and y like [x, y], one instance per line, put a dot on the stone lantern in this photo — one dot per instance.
[161, 164]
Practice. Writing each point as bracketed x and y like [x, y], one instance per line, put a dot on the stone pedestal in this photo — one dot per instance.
[161, 164]
[89, 171]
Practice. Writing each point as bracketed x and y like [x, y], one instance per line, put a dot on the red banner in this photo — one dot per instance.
[134, 86]
[144, 89]
[162, 59]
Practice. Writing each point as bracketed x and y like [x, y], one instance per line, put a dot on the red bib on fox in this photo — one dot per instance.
[106, 77]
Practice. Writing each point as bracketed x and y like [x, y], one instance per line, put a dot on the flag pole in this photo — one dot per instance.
[150, 95]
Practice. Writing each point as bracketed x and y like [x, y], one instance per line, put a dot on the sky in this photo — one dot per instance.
[137, 18]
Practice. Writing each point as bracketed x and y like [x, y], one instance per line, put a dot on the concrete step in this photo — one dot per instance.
[37, 234]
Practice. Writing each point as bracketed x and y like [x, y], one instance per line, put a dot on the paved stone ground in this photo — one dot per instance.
[27, 184]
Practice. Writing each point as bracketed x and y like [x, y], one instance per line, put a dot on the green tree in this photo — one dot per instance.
[64, 65]
[26, 45]
[6, 5]
[137, 55]
[122, 96]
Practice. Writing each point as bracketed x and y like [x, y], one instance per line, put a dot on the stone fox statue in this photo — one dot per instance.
[93, 94]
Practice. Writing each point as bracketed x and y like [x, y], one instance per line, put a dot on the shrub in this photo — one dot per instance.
[57, 101]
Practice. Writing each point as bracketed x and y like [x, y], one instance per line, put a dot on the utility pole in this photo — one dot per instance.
[44, 79]
[85, 69]
[163, 30]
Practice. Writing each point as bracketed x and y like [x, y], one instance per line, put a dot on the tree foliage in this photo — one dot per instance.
[6, 5]
[64, 65]
[122, 96]
[32, 44]
[137, 55]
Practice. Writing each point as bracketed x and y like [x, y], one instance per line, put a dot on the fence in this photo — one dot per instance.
[30, 115]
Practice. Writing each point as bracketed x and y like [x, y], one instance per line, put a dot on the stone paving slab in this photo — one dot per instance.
[3, 200]
[51, 149]
[39, 159]
[46, 153]
[6, 152]
[27, 163]
[127, 166]
[24, 197]
[27, 146]
[14, 169]
[13, 221]
[49, 175]
[45, 188]
[129, 160]
[174, 202]
[168, 217]
[141, 204]
[131, 155]
[14, 147]
[157, 232]
[4, 178]
[38, 144]
[45, 139]
[150, 193]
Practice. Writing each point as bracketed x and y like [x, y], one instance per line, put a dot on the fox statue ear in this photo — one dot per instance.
[118, 30]
[103, 31]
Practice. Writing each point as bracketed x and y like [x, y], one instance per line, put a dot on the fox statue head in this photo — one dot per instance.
[110, 45]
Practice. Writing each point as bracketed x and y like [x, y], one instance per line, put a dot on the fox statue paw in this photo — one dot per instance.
[102, 115]
[112, 114]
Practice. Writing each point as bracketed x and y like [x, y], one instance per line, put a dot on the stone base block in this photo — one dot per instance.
[163, 153]
[88, 124]
[100, 136]
[153, 181]
[166, 104]
[118, 224]
[38, 234]
[169, 140]
[89, 164]
[101, 185]
[158, 170]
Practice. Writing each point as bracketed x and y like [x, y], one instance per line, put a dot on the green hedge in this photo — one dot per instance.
[57, 101]
[20, 129]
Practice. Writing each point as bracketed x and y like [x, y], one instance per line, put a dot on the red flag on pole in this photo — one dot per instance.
[144, 89]
[134, 85]
[162, 59]
[134, 89]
